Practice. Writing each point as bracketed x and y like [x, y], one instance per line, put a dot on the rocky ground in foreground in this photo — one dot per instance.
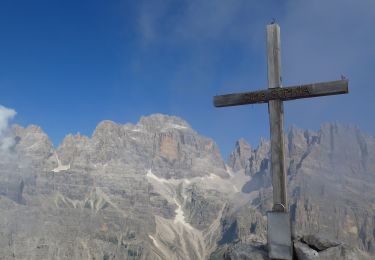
[159, 190]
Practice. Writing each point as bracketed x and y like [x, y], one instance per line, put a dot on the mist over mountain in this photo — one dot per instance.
[159, 190]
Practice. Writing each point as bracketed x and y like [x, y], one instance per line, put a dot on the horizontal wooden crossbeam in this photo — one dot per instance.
[287, 93]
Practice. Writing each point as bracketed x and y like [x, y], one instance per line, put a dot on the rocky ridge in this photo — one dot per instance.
[159, 190]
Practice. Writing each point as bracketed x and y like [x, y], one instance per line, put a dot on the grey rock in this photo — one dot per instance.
[238, 251]
[93, 197]
[240, 157]
[341, 252]
[304, 252]
[33, 144]
[320, 246]
[330, 190]
[164, 143]
[320, 242]
[260, 160]
[159, 190]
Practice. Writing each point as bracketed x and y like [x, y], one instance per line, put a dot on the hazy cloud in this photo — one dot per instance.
[6, 140]
[199, 35]
[222, 45]
[322, 40]
[329, 36]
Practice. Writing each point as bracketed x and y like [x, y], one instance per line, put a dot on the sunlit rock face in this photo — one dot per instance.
[143, 191]
[159, 190]
[240, 157]
[166, 144]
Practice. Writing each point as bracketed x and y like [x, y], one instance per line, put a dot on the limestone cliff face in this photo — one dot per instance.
[331, 182]
[168, 145]
[128, 191]
[159, 190]
[33, 143]
[240, 157]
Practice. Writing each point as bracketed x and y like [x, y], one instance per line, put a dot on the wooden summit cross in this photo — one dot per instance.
[274, 96]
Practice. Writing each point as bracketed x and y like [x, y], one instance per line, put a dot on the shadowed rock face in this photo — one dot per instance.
[240, 157]
[331, 183]
[159, 190]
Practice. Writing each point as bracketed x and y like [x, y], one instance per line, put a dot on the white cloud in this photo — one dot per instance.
[6, 140]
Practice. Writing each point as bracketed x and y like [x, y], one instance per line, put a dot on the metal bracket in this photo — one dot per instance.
[278, 207]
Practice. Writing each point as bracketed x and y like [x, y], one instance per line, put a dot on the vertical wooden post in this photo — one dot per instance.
[276, 117]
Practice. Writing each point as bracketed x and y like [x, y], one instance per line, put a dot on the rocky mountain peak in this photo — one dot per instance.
[70, 138]
[106, 127]
[263, 147]
[71, 147]
[243, 146]
[31, 149]
[33, 142]
[238, 159]
[298, 140]
[165, 144]
[157, 121]
[346, 148]
[30, 129]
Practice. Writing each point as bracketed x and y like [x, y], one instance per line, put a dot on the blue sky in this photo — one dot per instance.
[67, 65]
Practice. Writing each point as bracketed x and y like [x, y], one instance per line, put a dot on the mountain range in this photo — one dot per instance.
[160, 190]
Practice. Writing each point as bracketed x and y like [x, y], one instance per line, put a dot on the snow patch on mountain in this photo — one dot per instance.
[176, 126]
[180, 218]
[60, 167]
[154, 177]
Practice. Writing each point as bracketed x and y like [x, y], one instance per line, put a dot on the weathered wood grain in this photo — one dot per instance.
[287, 93]
[276, 119]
